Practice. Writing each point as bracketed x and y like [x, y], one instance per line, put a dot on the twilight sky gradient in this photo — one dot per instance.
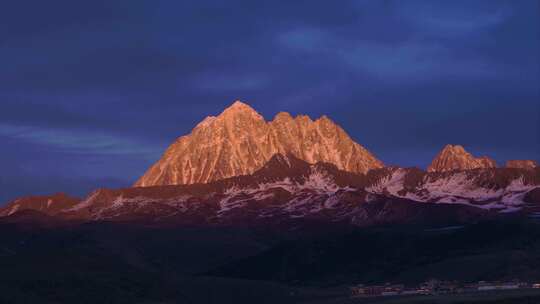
[92, 92]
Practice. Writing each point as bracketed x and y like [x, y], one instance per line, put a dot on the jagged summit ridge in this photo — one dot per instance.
[239, 141]
[455, 157]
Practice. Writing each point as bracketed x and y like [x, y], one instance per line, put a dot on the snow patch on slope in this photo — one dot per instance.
[86, 203]
[392, 183]
[14, 209]
[311, 195]
[458, 188]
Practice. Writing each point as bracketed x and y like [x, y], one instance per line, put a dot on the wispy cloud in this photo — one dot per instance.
[79, 141]
[405, 61]
[444, 18]
[412, 61]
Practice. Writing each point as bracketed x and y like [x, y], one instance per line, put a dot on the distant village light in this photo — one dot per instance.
[435, 287]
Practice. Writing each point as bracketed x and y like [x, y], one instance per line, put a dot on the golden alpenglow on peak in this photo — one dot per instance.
[239, 141]
[283, 116]
[239, 107]
[521, 164]
[455, 157]
[238, 104]
[239, 111]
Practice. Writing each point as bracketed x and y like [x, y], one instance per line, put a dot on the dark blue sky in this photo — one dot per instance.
[92, 92]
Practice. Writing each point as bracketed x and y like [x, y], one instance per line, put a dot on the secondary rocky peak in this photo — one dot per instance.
[283, 117]
[239, 141]
[487, 162]
[324, 119]
[454, 149]
[455, 157]
[304, 119]
[521, 164]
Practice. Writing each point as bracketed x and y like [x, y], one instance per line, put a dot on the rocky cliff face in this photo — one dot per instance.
[239, 141]
[454, 157]
[521, 164]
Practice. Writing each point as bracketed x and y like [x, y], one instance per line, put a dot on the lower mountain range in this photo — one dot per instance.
[288, 190]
